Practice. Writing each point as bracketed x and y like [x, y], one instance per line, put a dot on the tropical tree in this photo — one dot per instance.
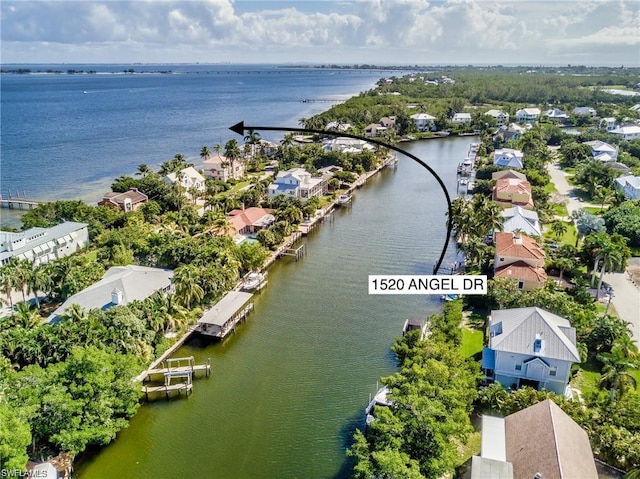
[144, 170]
[6, 281]
[40, 279]
[232, 152]
[26, 316]
[252, 138]
[603, 195]
[558, 228]
[205, 152]
[186, 280]
[616, 374]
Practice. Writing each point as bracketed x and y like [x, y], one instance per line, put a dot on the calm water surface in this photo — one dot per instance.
[289, 388]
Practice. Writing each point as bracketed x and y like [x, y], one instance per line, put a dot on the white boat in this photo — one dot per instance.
[344, 199]
[415, 324]
[464, 181]
[254, 281]
[380, 399]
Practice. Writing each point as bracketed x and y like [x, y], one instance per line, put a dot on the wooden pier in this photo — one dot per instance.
[297, 253]
[19, 202]
[225, 315]
[180, 365]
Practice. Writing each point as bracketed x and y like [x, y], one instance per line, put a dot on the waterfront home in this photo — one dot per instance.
[520, 258]
[584, 111]
[558, 447]
[497, 175]
[337, 126]
[608, 123]
[119, 286]
[374, 129]
[502, 118]
[297, 183]
[602, 151]
[630, 186]
[556, 114]
[128, 201]
[250, 220]
[508, 158]
[219, 167]
[346, 145]
[627, 132]
[189, 180]
[460, 118]
[41, 245]
[511, 132]
[510, 192]
[528, 115]
[519, 219]
[424, 121]
[530, 347]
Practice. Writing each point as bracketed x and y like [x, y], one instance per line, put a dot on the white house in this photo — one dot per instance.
[635, 107]
[297, 183]
[423, 121]
[189, 179]
[608, 123]
[346, 145]
[460, 118]
[337, 126]
[531, 115]
[119, 286]
[220, 168]
[630, 185]
[584, 111]
[508, 158]
[627, 132]
[603, 151]
[41, 245]
[502, 118]
[520, 219]
[530, 347]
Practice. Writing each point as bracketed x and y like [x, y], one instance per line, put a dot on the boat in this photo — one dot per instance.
[467, 162]
[344, 199]
[415, 324]
[380, 399]
[463, 181]
[443, 133]
[254, 282]
[449, 297]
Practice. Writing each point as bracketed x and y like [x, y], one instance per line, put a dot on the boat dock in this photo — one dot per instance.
[19, 202]
[223, 317]
[181, 369]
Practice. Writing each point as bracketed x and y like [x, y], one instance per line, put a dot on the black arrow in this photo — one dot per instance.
[240, 128]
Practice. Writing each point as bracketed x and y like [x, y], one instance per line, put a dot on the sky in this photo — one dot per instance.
[391, 32]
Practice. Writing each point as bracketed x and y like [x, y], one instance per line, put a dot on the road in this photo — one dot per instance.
[626, 294]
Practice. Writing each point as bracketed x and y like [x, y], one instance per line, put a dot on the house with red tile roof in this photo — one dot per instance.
[510, 192]
[521, 258]
[250, 220]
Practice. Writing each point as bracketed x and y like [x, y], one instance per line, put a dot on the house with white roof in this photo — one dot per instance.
[530, 347]
[530, 115]
[347, 145]
[508, 158]
[297, 183]
[120, 285]
[189, 180]
[556, 114]
[602, 151]
[337, 126]
[219, 167]
[502, 118]
[627, 132]
[41, 245]
[635, 107]
[630, 185]
[520, 219]
[460, 118]
[608, 123]
[424, 121]
[584, 111]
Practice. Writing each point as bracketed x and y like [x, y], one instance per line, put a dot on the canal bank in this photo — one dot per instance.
[289, 388]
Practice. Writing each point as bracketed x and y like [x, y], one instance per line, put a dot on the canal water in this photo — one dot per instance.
[289, 388]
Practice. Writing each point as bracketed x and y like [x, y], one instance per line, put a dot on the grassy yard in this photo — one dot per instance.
[560, 210]
[92, 256]
[471, 342]
[568, 238]
[587, 379]
[550, 188]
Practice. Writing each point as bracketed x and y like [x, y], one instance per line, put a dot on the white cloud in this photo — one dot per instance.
[382, 31]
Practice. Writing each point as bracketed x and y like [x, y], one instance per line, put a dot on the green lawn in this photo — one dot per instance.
[568, 238]
[550, 188]
[471, 342]
[560, 210]
[92, 256]
[587, 378]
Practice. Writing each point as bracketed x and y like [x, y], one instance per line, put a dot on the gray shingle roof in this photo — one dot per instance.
[521, 326]
[135, 283]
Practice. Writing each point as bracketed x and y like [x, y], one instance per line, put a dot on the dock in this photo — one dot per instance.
[19, 202]
[224, 316]
[181, 369]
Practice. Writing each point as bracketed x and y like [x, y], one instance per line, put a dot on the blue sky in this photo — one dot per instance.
[602, 32]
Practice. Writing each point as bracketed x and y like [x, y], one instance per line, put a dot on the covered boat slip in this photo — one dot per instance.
[224, 315]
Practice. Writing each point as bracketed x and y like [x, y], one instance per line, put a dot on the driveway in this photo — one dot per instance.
[626, 293]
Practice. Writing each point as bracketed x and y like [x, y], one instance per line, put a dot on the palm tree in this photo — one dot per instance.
[232, 153]
[205, 152]
[21, 273]
[558, 228]
[26, 316]
[40, 279]
[603, 195]
[143, 170]
[222, 225]
[615, 373]
[253, 139]
[612, 257]
[6, 281]
[185, 279]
